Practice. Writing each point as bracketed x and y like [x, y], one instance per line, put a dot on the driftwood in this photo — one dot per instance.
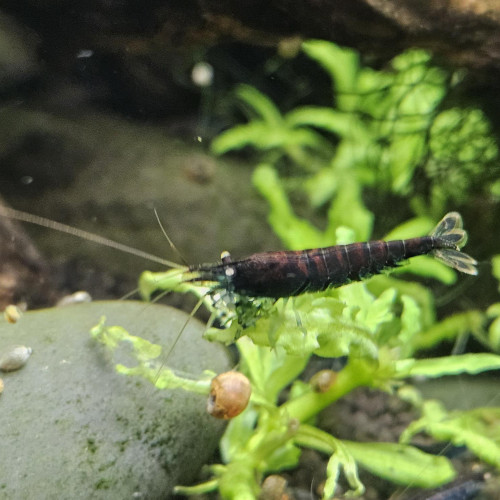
[467, 32]
[24, 275]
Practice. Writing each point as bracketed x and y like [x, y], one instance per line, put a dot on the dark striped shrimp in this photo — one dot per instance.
[273, 275]
[290, 273]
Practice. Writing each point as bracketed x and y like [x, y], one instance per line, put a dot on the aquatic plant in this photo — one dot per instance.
[381, 335]
[382, 122]
[383, 128]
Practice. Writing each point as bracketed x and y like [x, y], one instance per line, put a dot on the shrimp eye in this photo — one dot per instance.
[323, 380]
[225, 257]
[229, 395]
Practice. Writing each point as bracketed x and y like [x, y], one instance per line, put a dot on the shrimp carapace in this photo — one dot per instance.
[290, 273]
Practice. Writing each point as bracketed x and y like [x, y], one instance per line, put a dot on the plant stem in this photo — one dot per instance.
[357, 373]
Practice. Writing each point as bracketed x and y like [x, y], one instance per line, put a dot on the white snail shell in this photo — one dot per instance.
[74, 298]
[14, 357]
[229, 395]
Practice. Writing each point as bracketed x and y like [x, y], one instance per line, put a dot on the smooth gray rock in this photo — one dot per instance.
[71, 427]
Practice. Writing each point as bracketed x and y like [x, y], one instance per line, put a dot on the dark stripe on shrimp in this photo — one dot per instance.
[286, 274]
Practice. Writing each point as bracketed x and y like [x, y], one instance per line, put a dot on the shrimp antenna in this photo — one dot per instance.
[12, 213]
[170, 242]
[177, 338]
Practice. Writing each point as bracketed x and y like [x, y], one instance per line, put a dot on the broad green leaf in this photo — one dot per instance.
[477, 429]
[295, 233]
[448, 365]
[450, 328]
[261, 106]
[348, 209]
[407, 152]
[341, 63]
[418, 226]
[428, 267]
[328, 119]
[402, 464]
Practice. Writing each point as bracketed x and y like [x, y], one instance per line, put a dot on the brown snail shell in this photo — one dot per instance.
[323, 380]
[229, 395]
[274, 488]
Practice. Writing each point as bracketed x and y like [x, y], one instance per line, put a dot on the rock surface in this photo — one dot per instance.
[71, 427]
[114, 174]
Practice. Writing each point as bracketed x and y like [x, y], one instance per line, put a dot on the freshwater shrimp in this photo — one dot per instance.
[290, 273]
[282, 274]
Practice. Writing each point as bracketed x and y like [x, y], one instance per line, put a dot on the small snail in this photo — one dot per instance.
[12, 313]
[229, 395]
[14, 357]
[323, 380]
[274, 488]
[74, 298]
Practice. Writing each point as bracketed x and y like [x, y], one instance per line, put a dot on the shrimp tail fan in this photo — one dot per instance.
[450, 238]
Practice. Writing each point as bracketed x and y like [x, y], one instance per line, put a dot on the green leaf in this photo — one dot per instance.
[448, 365]
[402, 464]
[410, 325]
[450, 328]
[239, 136]
[270, 371]
[422, 295]
[418, 226]
[406, 152]
[296, 233]
[494, 334]
[327, 119]
[428, 267]
[262, 107]
[348, 209]
[495, 263]
[342, 64]
[477, 429]
[340, 458]
[238, 432]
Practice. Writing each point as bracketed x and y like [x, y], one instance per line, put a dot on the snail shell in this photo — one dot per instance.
[14, 357]
[274, 488]
[323, 380]
[74, 298]
[229, 395]
[12, 313]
